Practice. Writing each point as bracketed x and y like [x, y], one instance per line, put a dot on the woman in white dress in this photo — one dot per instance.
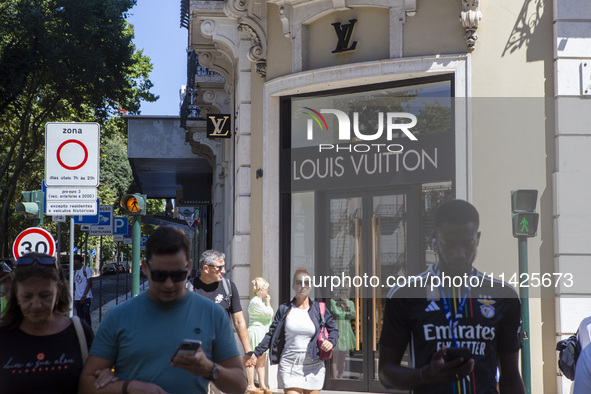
[260, 314]
[292, 339]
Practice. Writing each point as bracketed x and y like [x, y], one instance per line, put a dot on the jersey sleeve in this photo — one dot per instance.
[235, 300]
[509, 336]
[395, 330]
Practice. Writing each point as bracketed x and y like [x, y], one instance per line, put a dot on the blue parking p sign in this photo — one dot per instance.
[120, 225]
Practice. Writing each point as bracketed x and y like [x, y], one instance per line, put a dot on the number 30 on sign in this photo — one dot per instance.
[34, 239]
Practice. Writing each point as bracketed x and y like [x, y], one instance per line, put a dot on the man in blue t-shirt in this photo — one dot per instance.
[139, 337]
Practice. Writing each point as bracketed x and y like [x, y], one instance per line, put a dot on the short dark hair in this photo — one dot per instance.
[167, 240]
[79, 258]
[456, 212]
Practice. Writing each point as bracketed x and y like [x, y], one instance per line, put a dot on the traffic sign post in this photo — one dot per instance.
[120, 225]
[88, 219]
[105, 221]
[525, 225]
[72, 160]
[143, 242]
[34, 239]
[72, 154]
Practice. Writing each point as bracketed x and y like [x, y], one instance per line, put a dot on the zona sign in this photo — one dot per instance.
[72, 154]
[34, 239]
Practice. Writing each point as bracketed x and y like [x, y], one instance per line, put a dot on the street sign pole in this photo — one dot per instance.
[59, 243]
[136, 237]
[524, 295]
[71, 266]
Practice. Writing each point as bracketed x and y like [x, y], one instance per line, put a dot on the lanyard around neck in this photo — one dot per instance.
[453, 322]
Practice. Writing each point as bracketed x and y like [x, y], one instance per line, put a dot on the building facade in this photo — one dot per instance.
[321, 171]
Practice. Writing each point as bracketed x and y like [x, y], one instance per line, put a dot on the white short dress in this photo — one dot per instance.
[296, 367]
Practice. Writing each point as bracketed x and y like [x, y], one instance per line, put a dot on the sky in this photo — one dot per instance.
[158, 33]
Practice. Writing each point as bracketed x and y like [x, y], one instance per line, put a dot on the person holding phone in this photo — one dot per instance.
[139, 337]
[458, 335]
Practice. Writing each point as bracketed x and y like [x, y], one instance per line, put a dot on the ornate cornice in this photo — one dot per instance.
[256, 52]
[219, 99]
[293, 13]
[250, 15]
[204, 147]
[470, 18]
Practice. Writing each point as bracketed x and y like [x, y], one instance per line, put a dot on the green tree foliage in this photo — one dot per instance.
[62, 60]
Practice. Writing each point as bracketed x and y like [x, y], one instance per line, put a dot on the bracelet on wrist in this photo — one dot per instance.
[125, 384]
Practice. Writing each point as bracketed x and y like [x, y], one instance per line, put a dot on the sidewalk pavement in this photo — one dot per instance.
[94, 315]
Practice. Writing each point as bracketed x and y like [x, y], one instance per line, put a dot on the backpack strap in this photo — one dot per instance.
[81, 338]
[322, 306]
[227, 290]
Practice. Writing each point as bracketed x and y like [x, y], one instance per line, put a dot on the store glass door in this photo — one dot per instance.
[369, 243]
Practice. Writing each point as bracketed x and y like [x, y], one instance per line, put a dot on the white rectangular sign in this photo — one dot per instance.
[118, 237]
[127, 241]
[71, 194]
[105, 221]
[71, 208]
[72, 154]
[58, 218]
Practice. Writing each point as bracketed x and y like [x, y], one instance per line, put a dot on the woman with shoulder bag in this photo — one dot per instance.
[293, 340]
[41, 349]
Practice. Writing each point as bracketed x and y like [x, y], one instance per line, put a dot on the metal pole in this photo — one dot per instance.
[524, 295]
[86, 255]
[59, 243]
[101, 283]
[136, 237]
[117, 286]
[71, 276]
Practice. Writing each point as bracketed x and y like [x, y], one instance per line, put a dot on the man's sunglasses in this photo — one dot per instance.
[24, 260]
[161, 276]
[217, 268]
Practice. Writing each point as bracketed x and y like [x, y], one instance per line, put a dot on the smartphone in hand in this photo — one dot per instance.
[187, 346]
[456, 352]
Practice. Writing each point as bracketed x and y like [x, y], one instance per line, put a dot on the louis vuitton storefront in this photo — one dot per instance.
[362, 170]
[352, 120]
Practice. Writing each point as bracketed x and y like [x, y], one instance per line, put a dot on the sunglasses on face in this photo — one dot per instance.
[24, 260]
[218, 268]
[302, 283]
[161, 276]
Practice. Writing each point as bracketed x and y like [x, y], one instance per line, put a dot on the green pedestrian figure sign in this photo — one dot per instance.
[524, 223]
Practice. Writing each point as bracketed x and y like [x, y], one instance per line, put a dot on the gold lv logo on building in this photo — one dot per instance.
[218, 126]
[344, 33]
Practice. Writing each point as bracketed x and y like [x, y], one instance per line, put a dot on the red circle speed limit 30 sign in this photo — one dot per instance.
[72, 154]
[34, 239]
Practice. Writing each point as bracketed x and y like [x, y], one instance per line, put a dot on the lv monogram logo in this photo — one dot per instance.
[218, 125]
[344, 33]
